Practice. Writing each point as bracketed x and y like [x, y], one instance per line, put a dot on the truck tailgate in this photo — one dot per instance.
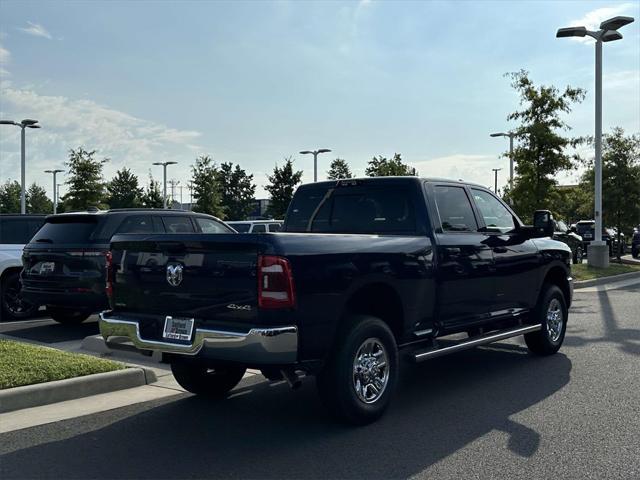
[201, 276]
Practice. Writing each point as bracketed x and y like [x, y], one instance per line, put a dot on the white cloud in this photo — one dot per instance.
[36, 30]
[68, 123]
[592, 19]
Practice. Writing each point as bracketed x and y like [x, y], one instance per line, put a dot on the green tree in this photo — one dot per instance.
[540, 154]
[37, 200]
[237, 191]
[86, 185]
[10, 197]
[573, 203]
[206, 190]
[281, 186]
[152, 197]
[338, 169]
[620, 181]
[383, 167]
[123, 190]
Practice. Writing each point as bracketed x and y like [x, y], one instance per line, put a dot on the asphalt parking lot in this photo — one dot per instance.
[494, 412]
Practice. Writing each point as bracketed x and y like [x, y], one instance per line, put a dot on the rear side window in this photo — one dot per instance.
[72, 230]
[18, 231]
[454, 207]
[178, 224]
[136, 224]
[353, 210]
[259, 228]
[211, 226]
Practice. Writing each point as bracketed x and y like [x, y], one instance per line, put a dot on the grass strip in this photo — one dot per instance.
[26, 364]
[585, 272]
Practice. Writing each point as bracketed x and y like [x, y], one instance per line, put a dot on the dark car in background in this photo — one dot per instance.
[15, 232]
[586, 229]
[64, 263]
[564, 234]
[635, 242]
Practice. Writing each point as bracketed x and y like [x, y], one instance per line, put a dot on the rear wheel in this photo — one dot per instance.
[551, 313]
[358, 380]
[202, 379]
[67, 316]
[14, 307]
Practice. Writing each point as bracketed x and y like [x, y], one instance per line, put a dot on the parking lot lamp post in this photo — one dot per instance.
[26, 123]
[608, 33]
[164, 180]
[495, 179]
[511, 135]
[315, 159]
[55, 196]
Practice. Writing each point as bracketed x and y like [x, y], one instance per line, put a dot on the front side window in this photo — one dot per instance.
[454, 207]
[178, 224]
[495, 214]
[211, 226]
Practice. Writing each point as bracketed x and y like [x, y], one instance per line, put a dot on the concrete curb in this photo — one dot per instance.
[60, 390]
[605, 280]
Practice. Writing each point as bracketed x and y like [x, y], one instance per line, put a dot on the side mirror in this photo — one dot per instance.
[543, 223]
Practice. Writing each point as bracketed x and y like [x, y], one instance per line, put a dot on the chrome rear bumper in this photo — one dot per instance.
[265, 346]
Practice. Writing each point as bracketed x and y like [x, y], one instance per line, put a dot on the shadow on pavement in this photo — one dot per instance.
[267, 431]
[51, 333]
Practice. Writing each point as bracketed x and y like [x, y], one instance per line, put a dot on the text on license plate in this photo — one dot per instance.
[177, 328]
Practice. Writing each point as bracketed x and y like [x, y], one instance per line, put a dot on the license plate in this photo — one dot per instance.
[47, 267]
[178, 328]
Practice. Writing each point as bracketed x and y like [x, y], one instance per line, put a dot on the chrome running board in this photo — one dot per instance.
[473, 342]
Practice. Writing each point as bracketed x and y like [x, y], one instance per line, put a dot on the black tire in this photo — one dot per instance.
[337, 381]
[549, 338]
[578, 256]
[13, 306]
[206, 380]
[67, 316]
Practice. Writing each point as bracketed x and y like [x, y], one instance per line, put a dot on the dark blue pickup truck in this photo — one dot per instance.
[365, 273]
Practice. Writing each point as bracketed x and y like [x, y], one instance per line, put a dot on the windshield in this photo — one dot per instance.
[584, 228]
[69, 230]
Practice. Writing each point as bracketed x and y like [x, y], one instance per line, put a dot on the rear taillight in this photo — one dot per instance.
[108, 288]
[275, 283]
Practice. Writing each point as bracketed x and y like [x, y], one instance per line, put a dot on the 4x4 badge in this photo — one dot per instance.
[174, 274]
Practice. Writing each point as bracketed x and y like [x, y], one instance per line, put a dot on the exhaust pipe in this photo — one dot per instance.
[292, 378]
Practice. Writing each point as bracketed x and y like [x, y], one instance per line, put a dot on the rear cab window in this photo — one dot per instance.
[363, 209]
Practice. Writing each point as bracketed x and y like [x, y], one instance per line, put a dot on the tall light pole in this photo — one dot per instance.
[495, 179]
[164, 180]
[598, 256]
[315, 159]
[26, 123]
[55, 196]
[511, 136]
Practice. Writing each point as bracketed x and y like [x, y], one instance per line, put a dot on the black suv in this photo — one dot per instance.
[15, 232]
[64, 264]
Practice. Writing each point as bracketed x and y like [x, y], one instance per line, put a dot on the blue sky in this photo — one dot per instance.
[253, 82]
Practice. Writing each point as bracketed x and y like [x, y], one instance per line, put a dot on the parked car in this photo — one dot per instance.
[371, 271]
[64, 263]
[564, 234]
[586, 229]
[15, 232]
[635, 243]
[256, 226]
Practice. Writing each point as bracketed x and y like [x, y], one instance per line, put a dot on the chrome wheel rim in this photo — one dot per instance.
[370, 370]
[555, 320]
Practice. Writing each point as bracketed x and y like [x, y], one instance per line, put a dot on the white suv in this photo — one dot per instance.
[15, 232]
[256, 226]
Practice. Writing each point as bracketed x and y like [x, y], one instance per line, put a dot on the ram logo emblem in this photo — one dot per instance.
[174, 274]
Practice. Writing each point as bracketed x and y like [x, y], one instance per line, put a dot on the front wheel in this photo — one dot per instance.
[67, 316]
[359, 378]
[201, 379]
[551, 313]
